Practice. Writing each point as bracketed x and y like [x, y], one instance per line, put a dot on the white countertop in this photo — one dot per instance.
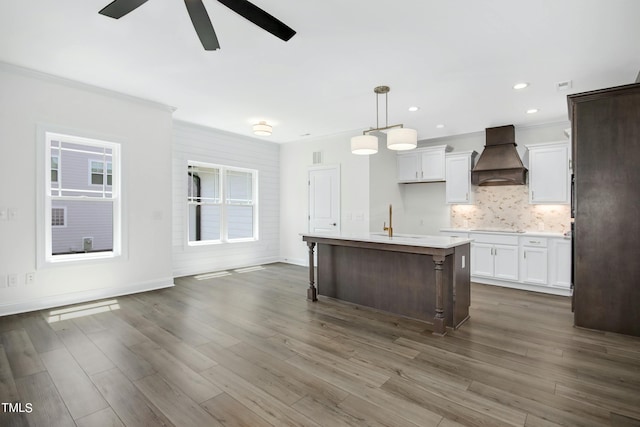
[426, 241]
[508, 232]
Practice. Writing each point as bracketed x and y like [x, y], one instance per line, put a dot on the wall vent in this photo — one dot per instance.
[563, 86]
[317, 157]
[87, 244]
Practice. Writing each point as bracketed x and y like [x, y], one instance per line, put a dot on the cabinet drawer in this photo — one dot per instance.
[500, 239]
[538, 242]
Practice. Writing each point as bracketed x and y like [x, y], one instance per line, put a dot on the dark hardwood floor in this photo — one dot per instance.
[248, 349]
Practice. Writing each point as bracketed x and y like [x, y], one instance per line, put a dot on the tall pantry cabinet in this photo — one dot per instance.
[605, 133]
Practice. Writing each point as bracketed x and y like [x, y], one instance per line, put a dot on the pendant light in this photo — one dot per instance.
[398, 137]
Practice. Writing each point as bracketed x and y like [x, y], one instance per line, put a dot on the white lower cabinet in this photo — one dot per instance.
[560, 257]
[531, 261]
[494, 256]
[534, 260]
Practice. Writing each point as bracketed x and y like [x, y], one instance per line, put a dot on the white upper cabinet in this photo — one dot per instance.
[458, 177]
[425, 164]
[549, 174]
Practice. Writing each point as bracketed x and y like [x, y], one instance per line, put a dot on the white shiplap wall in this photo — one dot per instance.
[193, 142]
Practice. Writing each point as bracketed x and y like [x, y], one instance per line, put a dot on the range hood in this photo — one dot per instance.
[499, 163]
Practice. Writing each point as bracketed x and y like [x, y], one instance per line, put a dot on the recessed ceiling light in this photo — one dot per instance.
[519, 86]
[440, 126]
[414, 109]
[532, 110]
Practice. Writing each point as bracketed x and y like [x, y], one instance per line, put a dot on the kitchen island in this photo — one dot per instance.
[421, 277]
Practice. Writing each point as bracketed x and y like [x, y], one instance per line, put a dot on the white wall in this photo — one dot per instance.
[295, 160]
[30, 99]
[192, 142]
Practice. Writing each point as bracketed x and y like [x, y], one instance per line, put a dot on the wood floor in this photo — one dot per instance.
[248, 349]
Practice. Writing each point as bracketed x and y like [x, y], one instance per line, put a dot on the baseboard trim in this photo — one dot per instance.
[231, 266]
[294, 261]
[81, 297]
[522, 286]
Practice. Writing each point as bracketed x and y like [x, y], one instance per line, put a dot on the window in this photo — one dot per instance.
[97, 172]
[222, 203]
[58, 217]
[75, 208]
[54, 169]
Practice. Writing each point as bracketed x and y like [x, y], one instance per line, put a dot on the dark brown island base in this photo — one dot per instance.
[421, 277]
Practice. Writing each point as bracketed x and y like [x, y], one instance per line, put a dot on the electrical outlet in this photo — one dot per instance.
[12, 280]
[12, 214]
[30, 278]
[3, 214]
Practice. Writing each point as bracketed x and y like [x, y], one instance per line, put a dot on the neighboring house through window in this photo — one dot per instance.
[59, 217]
[54, 169]
[77, 207]
[222, 203]
[97, 172]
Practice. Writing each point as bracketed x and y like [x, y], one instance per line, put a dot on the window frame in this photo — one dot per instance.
[224, 215]
[45, 256]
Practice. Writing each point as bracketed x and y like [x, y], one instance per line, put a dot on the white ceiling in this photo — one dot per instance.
[455, 59]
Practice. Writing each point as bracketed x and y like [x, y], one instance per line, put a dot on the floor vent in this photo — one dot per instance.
[212, 275]
[249, 269]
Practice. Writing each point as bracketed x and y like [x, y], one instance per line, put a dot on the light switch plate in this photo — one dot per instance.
[12, 280]
[3, 214]
[3, 281]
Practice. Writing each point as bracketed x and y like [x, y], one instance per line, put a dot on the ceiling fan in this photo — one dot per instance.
[201, 22]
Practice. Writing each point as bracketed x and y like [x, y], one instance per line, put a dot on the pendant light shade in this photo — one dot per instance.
[364, 144]
[398, 137]
[402, 139]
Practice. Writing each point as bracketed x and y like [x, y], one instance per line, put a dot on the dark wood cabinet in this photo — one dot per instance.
[605, 132]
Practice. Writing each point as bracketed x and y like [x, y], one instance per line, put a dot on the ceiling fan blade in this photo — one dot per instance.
[202, 24]
[259, 17]
[118, 8]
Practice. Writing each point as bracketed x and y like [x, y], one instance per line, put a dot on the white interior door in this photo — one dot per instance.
[324, 200]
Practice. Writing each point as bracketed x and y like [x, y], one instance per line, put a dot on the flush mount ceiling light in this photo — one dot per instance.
[262, 129]
[398, 137]
[519, 86]
[532, 110]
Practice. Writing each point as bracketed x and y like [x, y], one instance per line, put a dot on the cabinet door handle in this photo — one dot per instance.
[525, 254]
[534, 241]
[533, 195]
[416, 174]
[421, 174]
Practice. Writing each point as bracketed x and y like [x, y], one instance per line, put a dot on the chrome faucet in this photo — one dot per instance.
[390, 227]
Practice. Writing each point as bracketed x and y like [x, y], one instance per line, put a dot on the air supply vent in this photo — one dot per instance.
[317, 157]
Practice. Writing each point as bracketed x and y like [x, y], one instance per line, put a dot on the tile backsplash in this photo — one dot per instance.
[507, 207]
